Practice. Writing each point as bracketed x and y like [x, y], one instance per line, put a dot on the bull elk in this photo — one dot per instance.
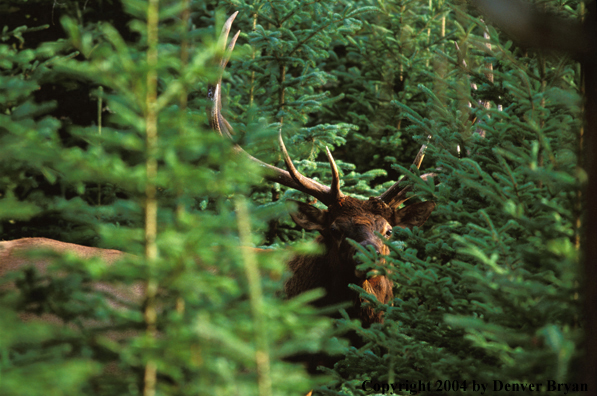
[345, 218]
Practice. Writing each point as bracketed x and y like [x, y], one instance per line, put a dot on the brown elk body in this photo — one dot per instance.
[12, 252]
[17, 255]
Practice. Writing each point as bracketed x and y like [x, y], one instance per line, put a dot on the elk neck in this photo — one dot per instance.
[334, 268]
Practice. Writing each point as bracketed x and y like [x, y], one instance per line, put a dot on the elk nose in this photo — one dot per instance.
[363, 273]
[365, 244]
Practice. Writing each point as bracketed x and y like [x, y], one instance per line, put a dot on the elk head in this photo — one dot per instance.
[345, 218]
[367, 223]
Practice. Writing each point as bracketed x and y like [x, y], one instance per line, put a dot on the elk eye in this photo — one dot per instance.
[335, 231]
[389, 233]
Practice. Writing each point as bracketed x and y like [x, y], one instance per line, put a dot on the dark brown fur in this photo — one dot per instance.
[335, 269]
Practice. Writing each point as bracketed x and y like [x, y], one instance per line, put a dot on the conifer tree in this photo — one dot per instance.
[490, 293]
[210, 323]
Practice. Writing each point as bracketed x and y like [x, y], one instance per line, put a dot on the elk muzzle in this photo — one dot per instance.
[377, 248]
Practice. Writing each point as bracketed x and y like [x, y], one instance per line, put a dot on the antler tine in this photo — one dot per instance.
[291, 178]
[335, 175]
[420, 155]
[218, 122]
[332, 194]
[394, 196]
[224, 38]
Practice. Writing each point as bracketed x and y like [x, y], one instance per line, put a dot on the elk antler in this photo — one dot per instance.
[394, 196]
[291, 178]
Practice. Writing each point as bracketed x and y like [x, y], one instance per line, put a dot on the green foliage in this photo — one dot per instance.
[206, 345]
[490, 291]
[486, 290]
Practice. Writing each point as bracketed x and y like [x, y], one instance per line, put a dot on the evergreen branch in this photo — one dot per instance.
[295, 9]
[19, 31]
[266, 19]
[358, 11]
[313, 34]
[274, 11]
[60, 58]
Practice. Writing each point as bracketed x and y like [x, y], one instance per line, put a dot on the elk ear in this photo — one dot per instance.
[413, 215]
[305, 215]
